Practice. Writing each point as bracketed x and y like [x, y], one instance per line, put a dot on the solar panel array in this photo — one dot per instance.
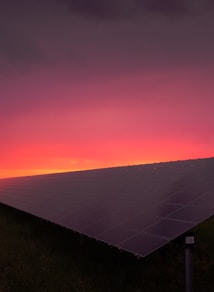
[135, 208]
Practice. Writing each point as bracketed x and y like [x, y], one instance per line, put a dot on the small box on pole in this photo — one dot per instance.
[189, 242]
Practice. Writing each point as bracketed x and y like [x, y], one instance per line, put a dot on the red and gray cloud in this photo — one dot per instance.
[29, 28]
[97, 73]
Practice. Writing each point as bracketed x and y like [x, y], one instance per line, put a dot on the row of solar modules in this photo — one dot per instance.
[137, 208]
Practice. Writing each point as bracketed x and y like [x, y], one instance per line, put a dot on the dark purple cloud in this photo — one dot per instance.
[95, 7]
[167, 7]
[17, 45]
[118, 8]
[47, 32]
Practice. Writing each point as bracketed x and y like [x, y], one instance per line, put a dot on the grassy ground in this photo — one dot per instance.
[38, 256]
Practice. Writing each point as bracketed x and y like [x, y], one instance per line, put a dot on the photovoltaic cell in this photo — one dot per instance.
[168, 228]
[192, 213]
[143, 244]
[135, 208]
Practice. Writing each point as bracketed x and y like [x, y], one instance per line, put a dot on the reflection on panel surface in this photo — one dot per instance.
[136, 208]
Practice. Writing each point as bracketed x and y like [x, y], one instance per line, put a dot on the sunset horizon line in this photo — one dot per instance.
[42, 172]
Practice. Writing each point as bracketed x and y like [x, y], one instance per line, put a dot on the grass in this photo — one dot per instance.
[36, 255]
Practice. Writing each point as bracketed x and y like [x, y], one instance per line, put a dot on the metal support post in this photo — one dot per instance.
[189, 241]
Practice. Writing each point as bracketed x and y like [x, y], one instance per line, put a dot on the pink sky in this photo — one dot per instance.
[87, 86]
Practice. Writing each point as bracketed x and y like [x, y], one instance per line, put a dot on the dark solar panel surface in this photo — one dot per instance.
[135, 208]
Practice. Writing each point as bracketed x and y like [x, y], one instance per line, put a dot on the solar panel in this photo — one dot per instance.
[135, 208]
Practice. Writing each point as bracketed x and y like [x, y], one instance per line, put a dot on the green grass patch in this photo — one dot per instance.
[36, 255]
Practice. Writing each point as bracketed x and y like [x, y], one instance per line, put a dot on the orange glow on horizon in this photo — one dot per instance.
[41, 163]
[10, 173]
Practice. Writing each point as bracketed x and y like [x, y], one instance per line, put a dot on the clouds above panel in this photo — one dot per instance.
[119, 8]
[51, 32]
[124, 79]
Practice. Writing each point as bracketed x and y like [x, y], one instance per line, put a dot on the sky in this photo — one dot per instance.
[101, 83]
